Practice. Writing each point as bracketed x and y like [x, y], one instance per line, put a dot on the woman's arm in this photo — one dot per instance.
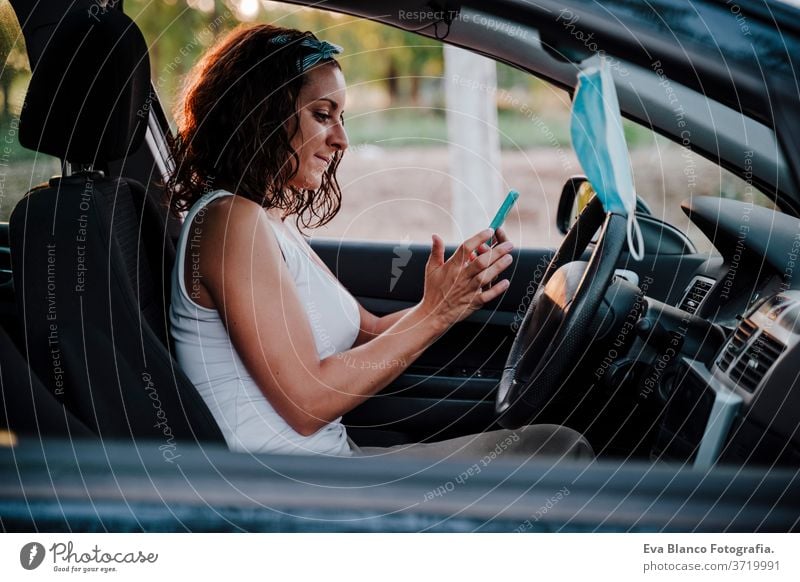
[251, 287]
[372, 325]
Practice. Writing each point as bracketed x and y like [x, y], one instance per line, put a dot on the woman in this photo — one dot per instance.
[278, 349]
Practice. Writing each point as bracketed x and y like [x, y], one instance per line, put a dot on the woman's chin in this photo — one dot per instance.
[307, 183]
[313, 186]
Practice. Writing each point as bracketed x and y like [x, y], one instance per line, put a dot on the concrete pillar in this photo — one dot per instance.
[477, 186]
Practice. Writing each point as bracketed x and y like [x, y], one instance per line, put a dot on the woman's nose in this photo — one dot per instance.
[338, 138]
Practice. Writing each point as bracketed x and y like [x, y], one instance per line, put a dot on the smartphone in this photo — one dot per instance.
[502, 212]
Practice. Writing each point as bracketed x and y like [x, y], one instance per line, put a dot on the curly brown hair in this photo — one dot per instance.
[236, 120]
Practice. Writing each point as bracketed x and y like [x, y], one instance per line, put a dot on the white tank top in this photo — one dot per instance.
[205, 352]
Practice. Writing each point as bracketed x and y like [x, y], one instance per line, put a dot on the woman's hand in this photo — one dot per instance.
[462, 284]
[499, 238]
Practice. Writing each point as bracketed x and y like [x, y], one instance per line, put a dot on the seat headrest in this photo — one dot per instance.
[89, 96]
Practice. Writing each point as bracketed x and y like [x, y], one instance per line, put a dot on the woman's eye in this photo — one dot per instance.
[322, 116]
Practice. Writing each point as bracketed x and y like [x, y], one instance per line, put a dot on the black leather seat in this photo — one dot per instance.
[90, 255]
[26, 406]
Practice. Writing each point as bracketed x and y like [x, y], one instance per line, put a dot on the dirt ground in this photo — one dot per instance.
[405, 194]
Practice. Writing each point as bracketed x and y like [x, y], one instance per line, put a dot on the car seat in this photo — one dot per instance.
[90, 254]
[26, 406]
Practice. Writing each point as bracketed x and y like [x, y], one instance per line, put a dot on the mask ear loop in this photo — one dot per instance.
[635, 232]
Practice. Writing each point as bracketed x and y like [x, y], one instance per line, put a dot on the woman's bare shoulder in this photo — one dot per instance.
[233, 225]
[233, 205]
[232, 216]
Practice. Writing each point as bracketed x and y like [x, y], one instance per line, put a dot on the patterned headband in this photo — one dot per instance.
[320, 50]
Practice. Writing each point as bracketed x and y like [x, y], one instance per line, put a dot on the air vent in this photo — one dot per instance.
[736, 343]
[756, 361]
[695, 294]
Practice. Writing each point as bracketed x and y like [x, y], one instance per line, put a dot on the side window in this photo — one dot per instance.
[397, 179]
[20, 168]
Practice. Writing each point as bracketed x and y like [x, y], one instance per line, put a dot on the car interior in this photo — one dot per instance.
[685, 357]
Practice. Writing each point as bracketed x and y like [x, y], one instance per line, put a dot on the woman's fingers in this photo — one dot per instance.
[485, 276]
[484, 248]
[464, 282]
[494, 291]
[436, 258]
[489, 258]
[500, 236]
[468, 247]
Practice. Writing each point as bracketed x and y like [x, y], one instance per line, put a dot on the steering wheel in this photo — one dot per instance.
[558, 322]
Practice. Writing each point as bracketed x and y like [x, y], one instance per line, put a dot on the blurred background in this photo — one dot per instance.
[396, 178]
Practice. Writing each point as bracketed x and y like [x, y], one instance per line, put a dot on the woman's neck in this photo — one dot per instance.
[275, 213]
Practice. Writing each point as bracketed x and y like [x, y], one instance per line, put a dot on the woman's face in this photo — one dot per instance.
[321, 134]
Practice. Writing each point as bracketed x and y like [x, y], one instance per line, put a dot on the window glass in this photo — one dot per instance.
[20, 168]
[396, 176]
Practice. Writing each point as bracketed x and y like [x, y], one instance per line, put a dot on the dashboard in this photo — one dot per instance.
[740, 402]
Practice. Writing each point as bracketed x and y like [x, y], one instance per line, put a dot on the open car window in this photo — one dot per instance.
[396, 178]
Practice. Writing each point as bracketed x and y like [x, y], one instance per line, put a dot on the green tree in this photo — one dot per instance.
[398, 60]
[13, 57]
[177, 34]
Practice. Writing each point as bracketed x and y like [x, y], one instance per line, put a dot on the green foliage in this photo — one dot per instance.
[427, 127]
[636, 135]
[13, 60]
[178, 32]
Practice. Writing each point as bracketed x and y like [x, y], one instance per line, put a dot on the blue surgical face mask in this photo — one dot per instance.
[599, 142]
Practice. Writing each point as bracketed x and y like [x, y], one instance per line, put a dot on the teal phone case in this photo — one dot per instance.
[505, 207]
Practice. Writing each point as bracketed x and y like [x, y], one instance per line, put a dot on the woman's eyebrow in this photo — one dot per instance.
[331, 101]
